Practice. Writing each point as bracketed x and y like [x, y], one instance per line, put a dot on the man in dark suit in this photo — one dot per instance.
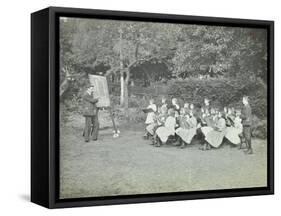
[246, 116]
[90, 112]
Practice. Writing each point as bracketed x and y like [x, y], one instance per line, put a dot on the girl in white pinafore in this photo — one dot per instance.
[151, 115]
[150, 118]
[159, 120]
[168, 129]
[209, 119]
[232, 133]
[215, 137]
[187, 131]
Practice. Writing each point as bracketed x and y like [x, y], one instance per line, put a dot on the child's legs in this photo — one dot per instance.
[247, 135]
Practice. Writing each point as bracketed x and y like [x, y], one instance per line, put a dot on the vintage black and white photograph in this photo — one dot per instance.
[155, 107]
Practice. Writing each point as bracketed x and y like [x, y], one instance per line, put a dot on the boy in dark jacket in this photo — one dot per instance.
[246, 116]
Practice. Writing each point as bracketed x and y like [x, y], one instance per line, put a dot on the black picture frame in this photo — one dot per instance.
[45, 107]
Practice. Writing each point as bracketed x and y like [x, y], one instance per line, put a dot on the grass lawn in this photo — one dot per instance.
[130, 165]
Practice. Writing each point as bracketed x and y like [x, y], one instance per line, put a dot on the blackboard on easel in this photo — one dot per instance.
[101, 92]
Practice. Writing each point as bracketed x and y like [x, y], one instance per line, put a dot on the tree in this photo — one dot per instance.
[188, 50]
[201, 46]
[138, 42]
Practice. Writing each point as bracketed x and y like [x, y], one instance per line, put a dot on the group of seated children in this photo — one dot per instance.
[182, 124]
[216, 125]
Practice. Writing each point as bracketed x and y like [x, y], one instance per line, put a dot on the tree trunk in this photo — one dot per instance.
[122, 85]
[126, 92]
[121, 69]
[124, 82]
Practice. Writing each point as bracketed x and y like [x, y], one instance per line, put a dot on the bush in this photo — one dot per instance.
[135, 114]
[135, 101]
[69, 107]
[259, 128]
[222, 92]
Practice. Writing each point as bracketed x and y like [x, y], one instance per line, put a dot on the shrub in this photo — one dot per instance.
[134, 114]
[259, 128]
[69, 107]
[222, 92]
[136, 101]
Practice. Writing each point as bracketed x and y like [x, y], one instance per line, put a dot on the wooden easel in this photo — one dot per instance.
[112, 119]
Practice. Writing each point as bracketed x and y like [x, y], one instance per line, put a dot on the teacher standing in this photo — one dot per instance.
[90, 112]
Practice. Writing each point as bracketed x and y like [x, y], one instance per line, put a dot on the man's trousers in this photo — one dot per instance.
[91, 129]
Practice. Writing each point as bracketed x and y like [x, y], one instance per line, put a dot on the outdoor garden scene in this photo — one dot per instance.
[144, 62]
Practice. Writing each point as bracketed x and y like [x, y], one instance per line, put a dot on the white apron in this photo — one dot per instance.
[150, 116]
[232, 133]
[167, 130]
[186, 134]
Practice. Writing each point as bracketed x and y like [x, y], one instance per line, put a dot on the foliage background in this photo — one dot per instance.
[221, 63]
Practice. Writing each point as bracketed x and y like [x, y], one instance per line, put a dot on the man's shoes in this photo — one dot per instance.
[86, 140]
[249, 151]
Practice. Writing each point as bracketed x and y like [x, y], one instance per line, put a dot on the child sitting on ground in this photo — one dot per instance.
[215, 137]
[229, 118]
[150, 118]
[186, 107]
[159, 120]
[176, 106]
[168, 129]
[187, 129]
[163, 102]
[208, 120]
[234, 132]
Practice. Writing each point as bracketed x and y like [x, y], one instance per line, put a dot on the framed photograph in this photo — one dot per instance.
[138, 107]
